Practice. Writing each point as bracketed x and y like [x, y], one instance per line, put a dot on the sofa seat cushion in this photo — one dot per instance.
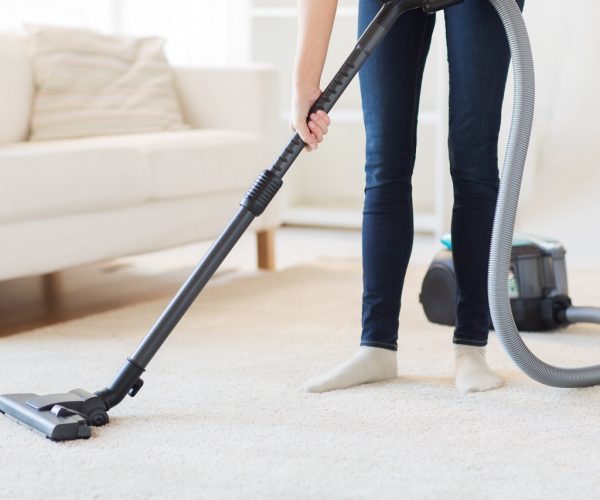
[191, 163]
[47, 179]
[195, 162]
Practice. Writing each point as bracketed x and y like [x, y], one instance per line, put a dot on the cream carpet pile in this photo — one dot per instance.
[222, 414]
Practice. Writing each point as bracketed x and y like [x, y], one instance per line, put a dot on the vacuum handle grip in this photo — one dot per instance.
[340, 81]
[325, 102]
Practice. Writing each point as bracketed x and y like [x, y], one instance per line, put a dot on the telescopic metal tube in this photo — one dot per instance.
[191, 288]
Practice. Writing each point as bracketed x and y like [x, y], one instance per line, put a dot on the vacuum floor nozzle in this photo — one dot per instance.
[60, 417]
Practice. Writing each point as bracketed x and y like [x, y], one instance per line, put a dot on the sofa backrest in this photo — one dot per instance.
[16, 88]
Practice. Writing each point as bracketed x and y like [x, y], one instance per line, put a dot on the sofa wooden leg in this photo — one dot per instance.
[51, 288]
[265, 241]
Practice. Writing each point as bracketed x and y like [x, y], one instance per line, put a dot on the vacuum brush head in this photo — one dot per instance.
[60, 417]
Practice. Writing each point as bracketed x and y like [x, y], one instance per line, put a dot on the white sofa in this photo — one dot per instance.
[71, 202]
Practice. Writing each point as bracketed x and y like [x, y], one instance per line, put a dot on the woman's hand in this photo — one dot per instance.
[315, 23]
[311, 128]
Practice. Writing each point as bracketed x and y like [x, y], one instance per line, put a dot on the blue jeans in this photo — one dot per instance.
[390, 82]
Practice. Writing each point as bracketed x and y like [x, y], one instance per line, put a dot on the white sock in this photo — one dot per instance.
[369, 364]
[472, 373]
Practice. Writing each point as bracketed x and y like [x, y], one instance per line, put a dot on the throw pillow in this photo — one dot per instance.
[89, 84]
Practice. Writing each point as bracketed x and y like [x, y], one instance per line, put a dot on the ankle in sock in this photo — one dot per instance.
[472, 373]
[369, 364]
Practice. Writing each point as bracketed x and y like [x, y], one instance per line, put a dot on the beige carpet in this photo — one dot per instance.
[222, 414]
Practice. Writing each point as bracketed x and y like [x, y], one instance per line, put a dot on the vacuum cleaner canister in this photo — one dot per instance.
[537, 285]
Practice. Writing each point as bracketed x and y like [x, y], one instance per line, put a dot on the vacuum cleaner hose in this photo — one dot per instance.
[506, 210]
[583, 315]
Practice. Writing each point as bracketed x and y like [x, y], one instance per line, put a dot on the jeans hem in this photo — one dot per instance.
[476, 343]
[381, 345]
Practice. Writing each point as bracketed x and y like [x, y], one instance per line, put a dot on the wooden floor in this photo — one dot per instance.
[40, 301]
[33, 302]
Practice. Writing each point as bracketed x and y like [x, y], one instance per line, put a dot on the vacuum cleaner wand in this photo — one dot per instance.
[69, 416]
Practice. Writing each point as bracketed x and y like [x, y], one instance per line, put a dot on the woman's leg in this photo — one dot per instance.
[390, 90]
[478, 56]
[390, 87]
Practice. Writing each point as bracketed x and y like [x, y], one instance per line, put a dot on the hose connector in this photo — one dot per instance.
[261, 193]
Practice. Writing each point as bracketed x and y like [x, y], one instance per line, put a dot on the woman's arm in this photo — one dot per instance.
[315, 23]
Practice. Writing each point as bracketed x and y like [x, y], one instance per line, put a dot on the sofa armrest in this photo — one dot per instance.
[238, 97]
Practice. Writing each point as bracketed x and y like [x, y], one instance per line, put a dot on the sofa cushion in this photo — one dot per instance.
[90, 84]
[194, 162]
[16, 89]
[48, 179]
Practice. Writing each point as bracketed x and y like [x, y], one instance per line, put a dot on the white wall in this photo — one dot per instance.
[93, 14]
[565, 201]
[197, 31]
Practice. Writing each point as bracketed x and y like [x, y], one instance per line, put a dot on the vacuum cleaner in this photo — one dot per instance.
[71, 415]
[537, 287]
